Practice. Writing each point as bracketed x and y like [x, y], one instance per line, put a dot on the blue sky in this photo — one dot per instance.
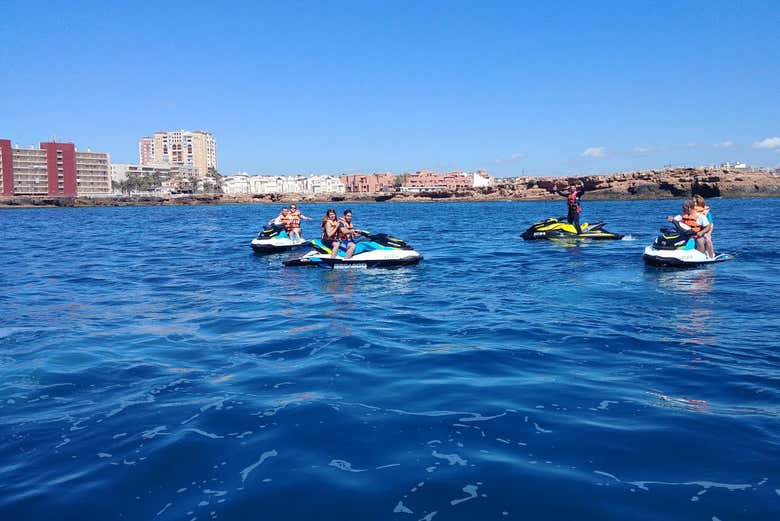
[535, 88]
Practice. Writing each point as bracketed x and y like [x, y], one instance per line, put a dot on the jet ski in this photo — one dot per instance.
[553, 228]
[274, 239]
[677, 248]
[371, 251]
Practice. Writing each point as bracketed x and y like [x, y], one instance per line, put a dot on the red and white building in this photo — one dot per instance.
[368, 183]
[54, 169]
[146, 150]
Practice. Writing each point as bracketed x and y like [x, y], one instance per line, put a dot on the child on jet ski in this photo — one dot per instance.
[701, 207]
[693, 222]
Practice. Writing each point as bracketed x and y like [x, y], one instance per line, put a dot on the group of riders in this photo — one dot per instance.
[337, 232]
[695, 220]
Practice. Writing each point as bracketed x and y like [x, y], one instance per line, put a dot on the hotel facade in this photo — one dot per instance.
[196, 149]
[53, 169]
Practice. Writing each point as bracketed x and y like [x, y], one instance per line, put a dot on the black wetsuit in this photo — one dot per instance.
[574, 218]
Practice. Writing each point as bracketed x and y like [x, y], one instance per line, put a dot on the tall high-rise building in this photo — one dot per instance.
[146, 150]
[53, 169]
[197, 149]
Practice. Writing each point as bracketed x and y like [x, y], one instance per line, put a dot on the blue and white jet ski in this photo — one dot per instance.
[677, 248]
[371, 251]
[274, 239]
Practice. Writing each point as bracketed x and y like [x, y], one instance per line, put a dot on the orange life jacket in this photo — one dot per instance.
[286, 221]
[702, 209]
[574, 204]
[295, 219]
[346, 231]
[689, 219]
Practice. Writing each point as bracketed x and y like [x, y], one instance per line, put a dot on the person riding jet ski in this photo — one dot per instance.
[573, 203]
[343, 245]
[685, 245]
[275, 236]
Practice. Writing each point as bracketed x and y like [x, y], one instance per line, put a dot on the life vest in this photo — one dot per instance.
[346, 231]
[702, 209]
[295, 219]
[286, 221]
[689, 219]
[573, 201]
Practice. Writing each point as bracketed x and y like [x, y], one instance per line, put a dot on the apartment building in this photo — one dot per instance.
[53, 169]
[197, 149]
[428, 181]
[368, 183]
[260, 184]
[146, 150]
[122, 171]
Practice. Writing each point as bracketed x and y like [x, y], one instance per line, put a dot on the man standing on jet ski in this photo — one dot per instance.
[348, 232]
[573, 201]
[694, 222]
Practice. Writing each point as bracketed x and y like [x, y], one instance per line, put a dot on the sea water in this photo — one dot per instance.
[153, 367]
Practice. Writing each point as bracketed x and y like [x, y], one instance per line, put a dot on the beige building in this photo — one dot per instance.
[93, 173]
[197, 149]
[53, 169]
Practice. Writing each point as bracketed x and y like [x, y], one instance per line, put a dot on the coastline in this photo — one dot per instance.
[672, 183]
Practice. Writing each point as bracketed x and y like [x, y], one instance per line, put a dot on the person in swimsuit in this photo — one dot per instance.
[701, 207]
[330, 231]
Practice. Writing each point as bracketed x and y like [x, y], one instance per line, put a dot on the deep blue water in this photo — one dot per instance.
[153, 367]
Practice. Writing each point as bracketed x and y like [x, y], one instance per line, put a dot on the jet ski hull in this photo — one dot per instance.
[276, 245]
[684, 258]
[557, 229]
[380, 251]
[326, 261]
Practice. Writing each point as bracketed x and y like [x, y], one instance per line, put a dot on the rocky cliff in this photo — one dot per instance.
[645, 184]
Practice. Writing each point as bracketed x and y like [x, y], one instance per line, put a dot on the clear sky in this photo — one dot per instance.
[535, 88]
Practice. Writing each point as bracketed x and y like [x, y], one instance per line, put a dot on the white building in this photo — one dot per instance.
[482, 179]
[243, 183]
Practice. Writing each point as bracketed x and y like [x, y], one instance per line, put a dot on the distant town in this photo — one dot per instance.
[183, 162]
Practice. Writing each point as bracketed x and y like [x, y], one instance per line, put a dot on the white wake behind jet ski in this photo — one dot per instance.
[371, 251]
[677, 248]
[274, 239]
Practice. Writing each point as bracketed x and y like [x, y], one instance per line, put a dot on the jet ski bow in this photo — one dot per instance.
[553, 228]
[371, 251]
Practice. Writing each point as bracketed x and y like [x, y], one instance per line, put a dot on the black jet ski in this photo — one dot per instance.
[274, 239]
[371, 251]
[677, 248]
[553, 228]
